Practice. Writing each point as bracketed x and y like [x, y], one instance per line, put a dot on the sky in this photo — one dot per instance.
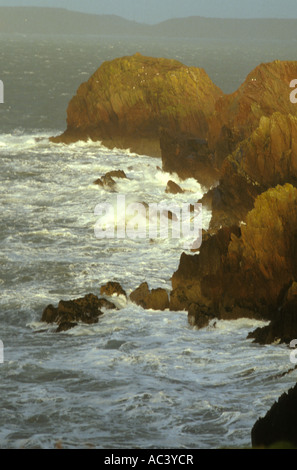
[154, 11]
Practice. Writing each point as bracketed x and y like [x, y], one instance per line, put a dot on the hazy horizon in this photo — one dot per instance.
[154, 11]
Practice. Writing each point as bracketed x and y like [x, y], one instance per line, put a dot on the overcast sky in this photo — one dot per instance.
[153, 11]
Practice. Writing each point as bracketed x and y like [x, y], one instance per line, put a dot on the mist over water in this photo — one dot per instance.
[137, 378]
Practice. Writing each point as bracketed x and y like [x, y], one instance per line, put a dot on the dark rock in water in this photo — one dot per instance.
[112, 288]
[128, 100]
[246, 271]
[65, 326]
[50, 314]
[156, 299]
[116, 174]
[69, 312]
[106, 182]
[173, 188]
[199, 316]
[283, 326]
[277, 428]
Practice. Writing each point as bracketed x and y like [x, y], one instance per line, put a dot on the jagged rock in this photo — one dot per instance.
[106, 182]
[128, 100]
[50, 314]
[188, 157]
[266, 158]
[173, 188]
[112, 288]
[69, 312]
[278, 427]
[265, 91]
[116, 174]
[156, 299]
[65, 326]
[244, 272]
[283, 326]
[199, 316]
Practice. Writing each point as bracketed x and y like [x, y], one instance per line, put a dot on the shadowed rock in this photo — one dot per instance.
[246, 271]
[156, 299]
[278, 427]
[69, 312]
[265, 91]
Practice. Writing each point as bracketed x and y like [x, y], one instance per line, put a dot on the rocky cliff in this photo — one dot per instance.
[246, 271]
[264, 159]
[127, 101]
[265, 91]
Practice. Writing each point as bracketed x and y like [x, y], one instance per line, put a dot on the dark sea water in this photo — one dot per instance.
[138, 379]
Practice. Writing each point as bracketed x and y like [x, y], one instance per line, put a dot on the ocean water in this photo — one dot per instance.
[137, 379]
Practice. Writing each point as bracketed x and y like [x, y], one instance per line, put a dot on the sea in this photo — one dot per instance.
[138, 379]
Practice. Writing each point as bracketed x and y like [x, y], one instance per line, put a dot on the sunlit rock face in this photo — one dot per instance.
[127, 101]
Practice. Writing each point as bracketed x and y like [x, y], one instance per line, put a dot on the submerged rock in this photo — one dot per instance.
[173, 188]
[128, 100]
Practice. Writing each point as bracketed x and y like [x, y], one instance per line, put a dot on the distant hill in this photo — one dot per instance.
[35, 20]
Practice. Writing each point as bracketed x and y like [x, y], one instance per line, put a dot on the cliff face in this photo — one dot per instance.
[245, 271]
[127, 101]
[266, 158]
[265, 91]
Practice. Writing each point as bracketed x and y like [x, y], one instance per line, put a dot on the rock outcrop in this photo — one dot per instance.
[266, 158]
[245, 271]
[277, 429]
[173, 188]
[265, 91]
[69, 312]
[127, 101]
[155, 299]
[188, 157]
[112, 288]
